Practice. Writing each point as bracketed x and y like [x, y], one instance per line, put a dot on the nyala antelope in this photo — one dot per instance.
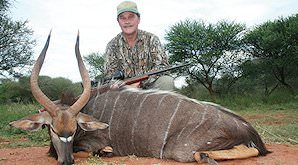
[149, 123]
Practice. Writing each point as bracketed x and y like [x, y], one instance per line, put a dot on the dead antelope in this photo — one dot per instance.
[62, 120]
[149, 123]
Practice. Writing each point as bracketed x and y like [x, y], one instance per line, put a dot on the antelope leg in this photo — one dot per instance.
[237, 152]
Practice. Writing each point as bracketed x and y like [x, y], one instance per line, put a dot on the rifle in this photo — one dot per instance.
[120, 76]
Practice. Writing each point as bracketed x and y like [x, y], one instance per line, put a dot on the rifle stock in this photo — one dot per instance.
[136, 79]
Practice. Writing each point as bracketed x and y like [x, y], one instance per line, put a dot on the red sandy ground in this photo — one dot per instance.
[282, 155]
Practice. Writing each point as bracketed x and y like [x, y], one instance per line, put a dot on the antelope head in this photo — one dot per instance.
[62, 120]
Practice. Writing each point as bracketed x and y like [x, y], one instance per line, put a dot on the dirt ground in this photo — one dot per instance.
[282, 155]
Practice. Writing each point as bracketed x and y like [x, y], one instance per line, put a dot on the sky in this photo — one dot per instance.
[97, 24]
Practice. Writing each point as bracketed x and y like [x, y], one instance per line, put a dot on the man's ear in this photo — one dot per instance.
[89, 123]
[32, 122]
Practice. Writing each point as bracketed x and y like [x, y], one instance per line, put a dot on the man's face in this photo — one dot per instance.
[128, 21]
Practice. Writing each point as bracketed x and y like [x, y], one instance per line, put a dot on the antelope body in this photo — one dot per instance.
[164, 125]
[148, 123]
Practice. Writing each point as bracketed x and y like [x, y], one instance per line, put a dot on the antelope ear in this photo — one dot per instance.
[89, 123]
[32, 122]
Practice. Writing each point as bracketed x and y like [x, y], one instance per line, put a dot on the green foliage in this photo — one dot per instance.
[19, 91]
[242, 100]
[95, 62]
[274, 46]
[195, 90]
[213, 49]
[54, 87]
[16, 91]
[16, 44]
[4, 5]
[229, 60]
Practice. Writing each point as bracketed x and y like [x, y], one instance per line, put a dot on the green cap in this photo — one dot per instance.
[127, 6]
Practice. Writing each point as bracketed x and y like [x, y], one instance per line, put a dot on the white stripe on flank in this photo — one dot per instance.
[168, 128]
[136, 119]
[104, 106]
[95, 101]
[236, 121]
[112, 113]
[180, 133]
[201, 122]
[219, 118]
[160, 101]
[117, 127]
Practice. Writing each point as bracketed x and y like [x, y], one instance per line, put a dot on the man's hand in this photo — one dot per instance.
[119, 83]
[135, 85]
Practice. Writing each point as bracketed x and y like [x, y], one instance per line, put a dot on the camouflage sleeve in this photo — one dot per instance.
[158, 55]
[110, 65]
[159, 61]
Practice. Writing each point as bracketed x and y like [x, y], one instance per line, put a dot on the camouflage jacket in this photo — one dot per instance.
[145, 56]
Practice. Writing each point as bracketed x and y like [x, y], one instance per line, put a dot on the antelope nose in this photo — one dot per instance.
[68, 162]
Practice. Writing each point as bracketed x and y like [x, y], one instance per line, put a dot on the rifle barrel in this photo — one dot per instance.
[167, 69]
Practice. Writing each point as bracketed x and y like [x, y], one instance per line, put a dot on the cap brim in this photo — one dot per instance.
[127, 10]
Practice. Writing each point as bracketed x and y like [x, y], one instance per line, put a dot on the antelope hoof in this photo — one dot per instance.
[105, 152]
[107, 149]
[204, 158]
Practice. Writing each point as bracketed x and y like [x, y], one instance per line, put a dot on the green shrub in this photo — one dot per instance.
[19, 91]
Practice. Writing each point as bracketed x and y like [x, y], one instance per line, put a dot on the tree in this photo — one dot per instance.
[4, 5]
[213, 49]
[16, 44]
[54, 87]
[96, 65]
[275, 45]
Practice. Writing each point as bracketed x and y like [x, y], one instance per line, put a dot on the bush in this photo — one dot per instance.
[240, 101]
[16, 91]
[19, 91]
